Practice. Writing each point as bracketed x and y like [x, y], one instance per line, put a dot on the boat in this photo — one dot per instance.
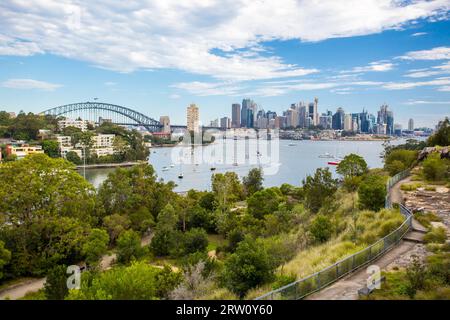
[165, 169]
[172, 165]
[326, 155]
[212, 168]
[180, 176]
[334, 162]
[292, 144]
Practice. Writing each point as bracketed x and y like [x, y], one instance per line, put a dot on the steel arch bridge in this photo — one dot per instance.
[91, 109]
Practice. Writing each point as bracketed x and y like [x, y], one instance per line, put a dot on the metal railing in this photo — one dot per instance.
[319, 280]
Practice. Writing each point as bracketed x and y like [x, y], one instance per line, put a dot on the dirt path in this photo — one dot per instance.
[347, 288]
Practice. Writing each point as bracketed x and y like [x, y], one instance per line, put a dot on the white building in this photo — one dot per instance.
[348, 122]
[80, 124]
[103, 140]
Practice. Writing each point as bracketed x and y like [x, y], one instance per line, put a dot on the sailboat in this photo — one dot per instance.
[180, 176]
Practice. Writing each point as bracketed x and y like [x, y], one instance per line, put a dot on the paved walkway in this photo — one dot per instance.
[347, 288]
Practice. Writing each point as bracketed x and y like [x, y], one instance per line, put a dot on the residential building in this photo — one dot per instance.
[411, 125]
[80, 124]
[348, 122]
[22, 150]
[225, 123]
[338, 119]
[193, 118]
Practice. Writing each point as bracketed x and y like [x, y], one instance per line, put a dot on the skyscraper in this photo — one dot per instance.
[165, 122]
[236, 115]
[302, 114]
[348, 122]
[192, 115]
[312, 110]
[244, 111]
[386, 117]
[411, 125]
[338, 119]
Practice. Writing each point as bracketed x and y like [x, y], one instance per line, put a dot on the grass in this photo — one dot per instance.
[425, 218]
[214, 241]
[410, 186]
[38, 295]
[435, 235]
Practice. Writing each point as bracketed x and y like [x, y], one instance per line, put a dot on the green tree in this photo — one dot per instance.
[195, 240]
[248, 267]
[253, 181]
[392, 159]
[73, 157]
[318, 189]
[129, 246]
[352, 166]
[442, 136]
[321, 228]
[264, 202]
[115, 224]
[416, 275]
[372, 193]
[95, 246]
[55, 287]
[51, 148]
[227, 189]
[5, 257]
[165, 238]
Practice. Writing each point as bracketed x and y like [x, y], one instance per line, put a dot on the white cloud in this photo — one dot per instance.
[377, 66]
[218, 38]
[417, 102]
[438, 53]
[427, 72]
[208, 88]
[410, 85]
[30, 84]
[174, 96]
[110, 83]
[418, 34]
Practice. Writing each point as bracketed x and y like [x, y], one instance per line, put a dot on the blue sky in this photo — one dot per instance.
[159, 56]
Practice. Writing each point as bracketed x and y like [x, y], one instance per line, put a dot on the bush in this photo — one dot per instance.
[372, 193]
[321, 228]
[434, 168]
[195, 240]
[129, 246]
[55, 287]
[410, 186]
[436, 235]
[398, 160]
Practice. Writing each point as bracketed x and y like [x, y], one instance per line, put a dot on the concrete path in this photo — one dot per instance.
[347, 288]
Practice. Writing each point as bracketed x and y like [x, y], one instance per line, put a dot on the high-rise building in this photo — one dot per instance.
[236, 115]
[338, 119]
[348, 122]
[192, 114]
[386, 117]
[225, 123]
[292, 118]
[411, 125]
[302, 115]
[244, 112]
[165, 122]
[313, 113]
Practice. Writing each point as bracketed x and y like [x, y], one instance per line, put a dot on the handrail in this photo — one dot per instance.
[317, 281]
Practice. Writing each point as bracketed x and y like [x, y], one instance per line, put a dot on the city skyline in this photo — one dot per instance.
[400, 56]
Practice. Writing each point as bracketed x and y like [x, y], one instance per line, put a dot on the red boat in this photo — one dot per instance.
[334, 163]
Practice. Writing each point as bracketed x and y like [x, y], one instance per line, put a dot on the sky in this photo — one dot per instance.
[157, 57]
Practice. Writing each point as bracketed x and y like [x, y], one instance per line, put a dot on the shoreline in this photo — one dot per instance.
[110, 165]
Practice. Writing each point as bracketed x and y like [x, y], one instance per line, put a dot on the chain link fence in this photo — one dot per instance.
[319, 280]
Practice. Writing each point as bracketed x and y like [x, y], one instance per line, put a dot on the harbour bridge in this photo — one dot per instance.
[96, 111]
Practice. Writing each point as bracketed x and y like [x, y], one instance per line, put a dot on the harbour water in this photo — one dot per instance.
[296, 160]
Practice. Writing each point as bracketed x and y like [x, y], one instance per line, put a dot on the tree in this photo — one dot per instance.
[95, 246]
[115, 224]
[248, 267]
[5, 257]
[55, 287]
[195, 240]
[253, 181]
[51, 148]
[227, 189]
[416, 275]
[321, 228]
[352, 166]
[392, 159]
[166, 235]
[73, 157]
[318, 189]
[442, 136]
[264, 202]
[372, 193]
[129, 246]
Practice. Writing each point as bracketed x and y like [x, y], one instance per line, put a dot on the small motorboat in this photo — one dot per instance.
[292, 144]
[165, 169]
[212, 168]
[172, 165]
[326, 155]
[180, 176]
[334, 162]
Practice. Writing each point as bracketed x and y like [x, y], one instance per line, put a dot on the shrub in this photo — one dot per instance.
[372, 193]
[424, 218]
[434, 168]
[436, 235]
[399, 159]
[195, 240]
[410, 186]
[321, 228]
[129, 246]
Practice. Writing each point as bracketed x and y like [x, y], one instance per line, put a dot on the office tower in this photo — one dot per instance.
[225, 122]
[292, 118]
[338, 119]
[271, 115]
[366, 125]
[250, 118]
[325, 121]
[244, 111]
[348, 122]
[411, 125]
[302, 115]
[312, 111]
[254, 108]
[398, 129]
[214, 123]
[236, 115]
[386, 117]
[192, 114]
[165, 122]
